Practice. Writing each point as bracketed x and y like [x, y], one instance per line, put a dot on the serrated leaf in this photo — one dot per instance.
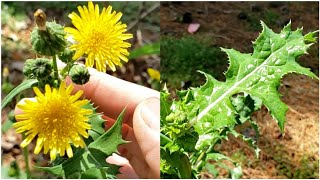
[110, 140]
[249, 141]
[96, 121]
[257, 74]
[217, 157]
[164, 103]
[245, 105]
[23, 86]
[178, 162]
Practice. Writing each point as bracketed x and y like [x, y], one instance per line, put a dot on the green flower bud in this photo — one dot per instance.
[79, 74]
[66, 55]
[48, 37]
[42, 68]
[37, 68]
[28, 68]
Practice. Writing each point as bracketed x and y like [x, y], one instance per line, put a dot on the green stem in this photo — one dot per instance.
[26, 159]
[103, 173]
[55, 68]
[164, 139]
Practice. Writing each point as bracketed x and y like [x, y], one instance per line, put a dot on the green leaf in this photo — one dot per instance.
[217, 157]
[110, 140]
[176, 162]
[257, 74]
[74, 164]
[165, 104]
[96, 121]
[250, 141]
[148, 49]
[311, 37]
[245, 105]
[212, 169]
[56, 170]
[23, 86]
[92, 173]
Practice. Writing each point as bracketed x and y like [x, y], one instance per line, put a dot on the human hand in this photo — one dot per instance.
[141, 121]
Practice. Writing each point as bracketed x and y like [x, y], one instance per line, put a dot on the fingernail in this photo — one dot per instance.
[150, 112]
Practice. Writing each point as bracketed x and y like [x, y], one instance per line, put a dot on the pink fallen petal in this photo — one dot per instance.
[192, 28]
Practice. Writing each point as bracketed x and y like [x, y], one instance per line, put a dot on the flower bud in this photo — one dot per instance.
[48, 37]
[42, 68]
[79, 74]
[28, 68]
[66, 55]
[37, 68]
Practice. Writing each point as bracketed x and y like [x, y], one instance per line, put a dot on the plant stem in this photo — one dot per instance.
[55, 68]
[26, 159]
[103, 173]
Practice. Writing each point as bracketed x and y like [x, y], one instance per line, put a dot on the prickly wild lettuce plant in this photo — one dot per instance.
[64, 125]
[194, 123]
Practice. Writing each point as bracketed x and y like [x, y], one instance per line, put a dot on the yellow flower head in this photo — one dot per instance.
[99, 36]
[154, 74]
[56, 118]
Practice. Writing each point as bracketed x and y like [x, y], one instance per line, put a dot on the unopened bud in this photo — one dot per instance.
[48, 37]
[66, 55]
[79, 74]
[37, 68]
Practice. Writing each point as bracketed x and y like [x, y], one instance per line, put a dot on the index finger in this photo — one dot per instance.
[111, 95]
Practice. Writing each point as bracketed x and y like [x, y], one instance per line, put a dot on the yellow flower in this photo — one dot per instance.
[99, 36]
[56, 118]
[154, 74]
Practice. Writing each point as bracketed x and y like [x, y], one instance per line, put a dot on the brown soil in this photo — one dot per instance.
[229, 25]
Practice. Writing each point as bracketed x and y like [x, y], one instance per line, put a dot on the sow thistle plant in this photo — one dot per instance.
[64, 125]
[194, 124]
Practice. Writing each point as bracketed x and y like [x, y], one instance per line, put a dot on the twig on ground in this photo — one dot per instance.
[296, 112]
[143, 15]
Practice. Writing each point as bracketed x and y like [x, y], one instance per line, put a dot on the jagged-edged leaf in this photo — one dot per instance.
[217, 157]
[74, 164]
[175, 162]
[96, 121]
[110, 140]
[23, 86]
[165, 103]
[250, 141]
[257, 74]
[245, 105]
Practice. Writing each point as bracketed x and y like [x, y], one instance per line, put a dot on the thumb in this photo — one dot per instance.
[146, 127]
